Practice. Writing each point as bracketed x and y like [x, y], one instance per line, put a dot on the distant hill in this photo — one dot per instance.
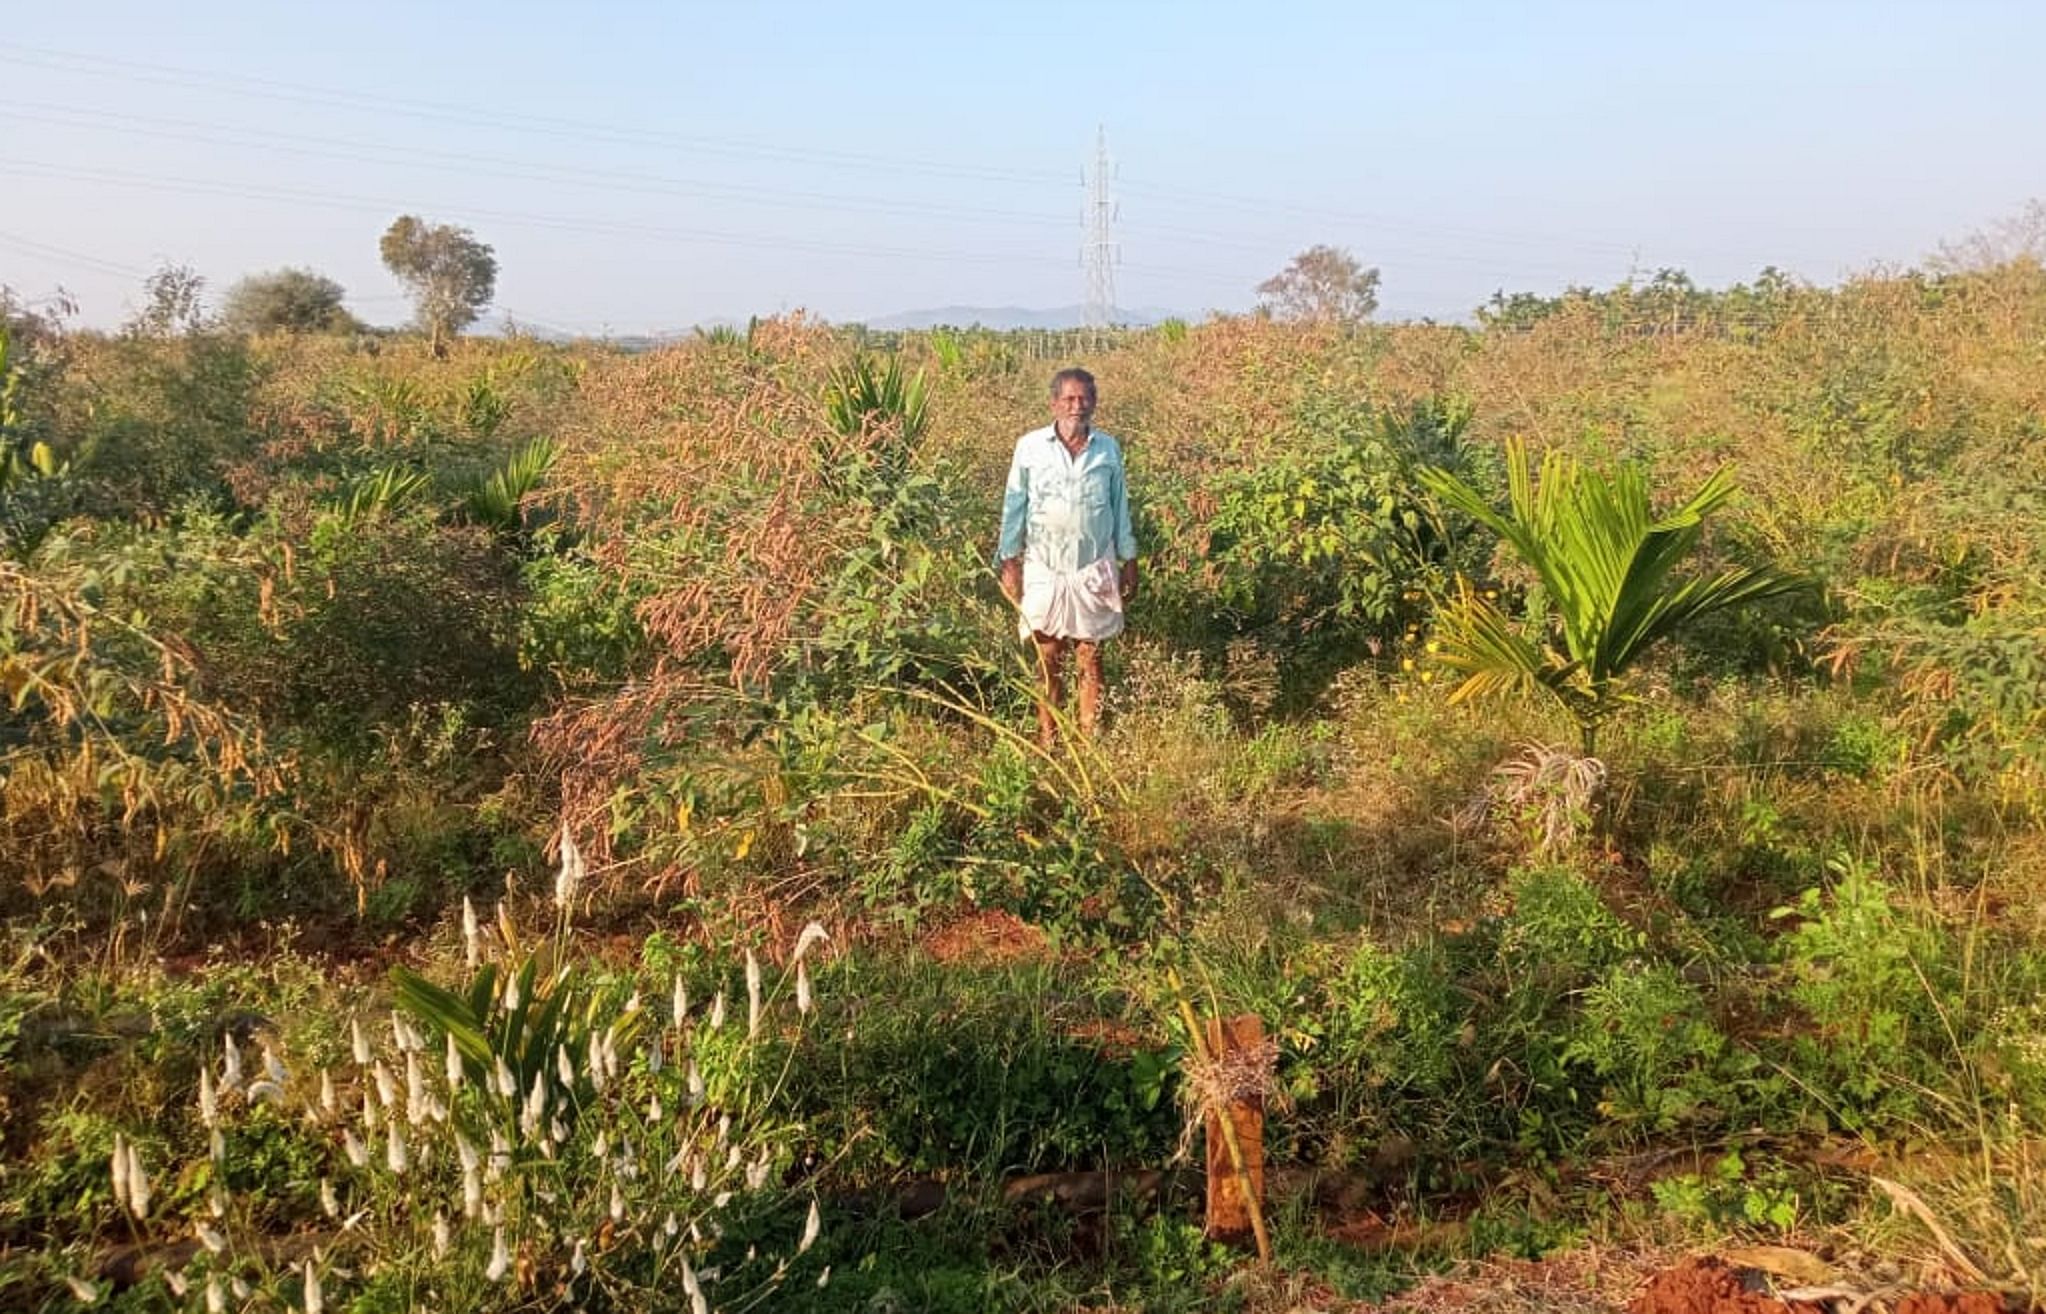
[1009, 317]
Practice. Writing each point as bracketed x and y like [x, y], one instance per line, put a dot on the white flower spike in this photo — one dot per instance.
[752, 995]
[812, 933]
[569, 879]
[117, 1168]
[138, 1183]
[500, 1259]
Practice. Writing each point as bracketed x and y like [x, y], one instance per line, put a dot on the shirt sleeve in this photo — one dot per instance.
[1015, 509]
[1125, 532]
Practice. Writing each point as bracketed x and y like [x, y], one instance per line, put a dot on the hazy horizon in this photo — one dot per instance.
[649, 168]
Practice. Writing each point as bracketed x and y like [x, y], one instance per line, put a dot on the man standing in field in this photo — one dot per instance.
[1068, 553]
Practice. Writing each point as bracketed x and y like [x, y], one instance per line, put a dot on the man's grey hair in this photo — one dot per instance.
[1074, 374]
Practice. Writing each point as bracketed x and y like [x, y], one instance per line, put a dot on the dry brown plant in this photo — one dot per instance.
[113, 752]
[704, 486]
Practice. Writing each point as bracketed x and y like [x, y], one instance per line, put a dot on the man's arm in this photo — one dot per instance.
[1125, 534]
[1015, 517]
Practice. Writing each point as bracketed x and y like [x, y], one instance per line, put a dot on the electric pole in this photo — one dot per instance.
[1098, 252]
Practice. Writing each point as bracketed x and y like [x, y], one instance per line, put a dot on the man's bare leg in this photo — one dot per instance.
[1051, 661]
[1088, 658]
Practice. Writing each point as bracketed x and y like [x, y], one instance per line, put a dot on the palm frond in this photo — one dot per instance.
[1606, 562]
[861, 398]
[1495, 656]
[499, 500]
[379, 492]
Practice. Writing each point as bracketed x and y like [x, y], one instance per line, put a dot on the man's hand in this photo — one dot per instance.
[1128, 580]
[1012, 580]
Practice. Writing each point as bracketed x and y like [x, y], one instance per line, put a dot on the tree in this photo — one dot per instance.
[451, 275]
[2022, 236]
[172, 303]
[1323, 285]
[287, 301]
[1604, 560]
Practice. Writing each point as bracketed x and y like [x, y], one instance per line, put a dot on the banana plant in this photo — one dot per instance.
[1605, 560]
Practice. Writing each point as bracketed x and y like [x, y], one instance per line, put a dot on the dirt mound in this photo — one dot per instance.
[1708, 1286]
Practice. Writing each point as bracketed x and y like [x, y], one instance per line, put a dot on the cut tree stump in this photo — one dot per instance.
[1228, 1209]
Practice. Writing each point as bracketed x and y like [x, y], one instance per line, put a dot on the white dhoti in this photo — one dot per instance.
[1071, 604]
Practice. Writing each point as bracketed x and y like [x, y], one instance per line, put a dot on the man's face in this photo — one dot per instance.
[1073, 408]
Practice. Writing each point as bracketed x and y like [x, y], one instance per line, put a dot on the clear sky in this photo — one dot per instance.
[641, 167]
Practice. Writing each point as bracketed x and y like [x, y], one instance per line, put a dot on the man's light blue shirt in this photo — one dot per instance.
[1064, 511]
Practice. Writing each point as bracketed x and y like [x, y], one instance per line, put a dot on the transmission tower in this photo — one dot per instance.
[1098, 252]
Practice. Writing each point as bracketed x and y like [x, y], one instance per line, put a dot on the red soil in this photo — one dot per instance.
[1710, 1286]
[1707, 1286]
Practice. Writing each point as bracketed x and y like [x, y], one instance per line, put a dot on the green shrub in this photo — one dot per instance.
[1646, 1036]
[1877, 986]
[1393, 1020]
[1560, 931]
[1323, 545]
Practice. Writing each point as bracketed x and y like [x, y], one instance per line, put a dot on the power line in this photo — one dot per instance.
[63, 255]
[489, 166]
[616, 180]
[603, 179]
[1267, 206]
[1605, 247]
[584, 131]
[386, 205]
[161, 183]
[293, 196]
[443, 111]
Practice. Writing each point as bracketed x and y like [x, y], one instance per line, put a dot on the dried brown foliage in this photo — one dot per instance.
[703, 481]
[111, 746]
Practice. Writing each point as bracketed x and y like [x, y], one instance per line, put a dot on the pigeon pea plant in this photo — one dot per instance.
[527, 1137]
